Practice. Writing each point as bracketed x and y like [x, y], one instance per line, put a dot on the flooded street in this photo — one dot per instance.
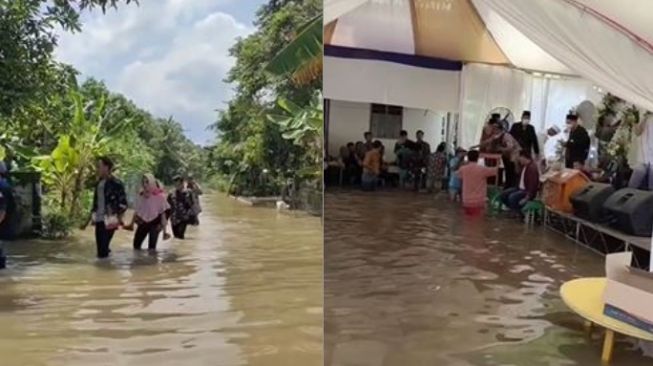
[245, 288]
[410, 281]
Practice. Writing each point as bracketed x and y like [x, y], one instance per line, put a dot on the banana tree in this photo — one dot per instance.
[70, 165]
[303, 125]
[302, 57]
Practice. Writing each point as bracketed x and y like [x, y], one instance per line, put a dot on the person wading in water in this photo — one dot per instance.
[109, 205]
[149, 214]
[181, 208]
[195, 189]
[7, 208]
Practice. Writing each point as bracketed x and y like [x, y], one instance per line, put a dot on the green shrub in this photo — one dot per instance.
[57, 225]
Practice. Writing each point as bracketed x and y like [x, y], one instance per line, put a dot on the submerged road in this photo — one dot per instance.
[245, 288]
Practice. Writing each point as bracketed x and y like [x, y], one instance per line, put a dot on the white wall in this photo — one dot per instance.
[369, 81]
[349, 120]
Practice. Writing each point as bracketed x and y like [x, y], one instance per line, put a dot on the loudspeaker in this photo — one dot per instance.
[631, 211]
[588, 201]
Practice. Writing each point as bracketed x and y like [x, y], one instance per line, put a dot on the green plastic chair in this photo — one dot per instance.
[494, 199]
[532, 210]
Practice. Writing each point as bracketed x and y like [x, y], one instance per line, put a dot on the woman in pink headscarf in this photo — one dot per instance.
[149, 214]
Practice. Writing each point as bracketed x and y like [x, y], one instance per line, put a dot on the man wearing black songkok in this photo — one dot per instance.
[524, 133]
[577, 147]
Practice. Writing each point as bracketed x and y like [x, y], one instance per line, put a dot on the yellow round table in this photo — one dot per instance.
[585, 297]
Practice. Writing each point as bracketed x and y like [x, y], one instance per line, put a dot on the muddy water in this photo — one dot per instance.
[245, 288]
[409, 281]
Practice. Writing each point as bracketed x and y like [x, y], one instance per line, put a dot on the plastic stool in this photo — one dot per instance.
[532, 210]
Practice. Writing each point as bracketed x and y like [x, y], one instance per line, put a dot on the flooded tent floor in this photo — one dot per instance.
[410, 281]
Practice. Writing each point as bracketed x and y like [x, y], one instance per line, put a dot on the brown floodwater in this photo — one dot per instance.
[245, 288]
[410, 281]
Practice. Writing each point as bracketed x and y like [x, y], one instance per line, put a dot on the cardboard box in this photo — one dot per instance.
[629, 292]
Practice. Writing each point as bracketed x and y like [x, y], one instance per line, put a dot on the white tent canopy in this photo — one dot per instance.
[605, 41]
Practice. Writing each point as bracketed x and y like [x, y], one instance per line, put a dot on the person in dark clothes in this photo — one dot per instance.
[181, 208]
[577, 147]
[529, 183]
[369, 144]
[407, 156]
[109, 206]
[196, 191]
[525, 135]
[353, 169]
[7, 209]
[423, 152]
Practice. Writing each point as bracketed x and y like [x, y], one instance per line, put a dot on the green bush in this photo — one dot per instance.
[57, 224]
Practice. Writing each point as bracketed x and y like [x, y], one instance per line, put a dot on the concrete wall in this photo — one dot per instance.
[349, 120]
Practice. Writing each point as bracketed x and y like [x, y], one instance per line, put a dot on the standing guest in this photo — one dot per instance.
[437, 163]
[423, 152]
[109, 206]
[551, 145]
[369, 144]
[640, 156]
[407, 156]
[7, 209]
[525, 135]
[503, 143]
[149, 214]
[529, 183]
[455, 184]
[359, 148]
[196, 191]
[486, 135]
[423, 147]
[181, 208]
[474, 178]
[577, 147]
[372, 167]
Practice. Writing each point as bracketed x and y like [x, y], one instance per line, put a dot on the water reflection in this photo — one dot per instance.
[410, 281]
[244, 289]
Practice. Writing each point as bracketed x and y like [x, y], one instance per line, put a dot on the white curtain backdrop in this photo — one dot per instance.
[370, 81]
[484, 87]
[589, 46]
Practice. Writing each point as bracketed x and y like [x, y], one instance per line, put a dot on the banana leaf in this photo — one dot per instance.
[301, 51]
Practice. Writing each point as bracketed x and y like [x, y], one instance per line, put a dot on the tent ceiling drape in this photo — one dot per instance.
[605, 41]
[455, 30]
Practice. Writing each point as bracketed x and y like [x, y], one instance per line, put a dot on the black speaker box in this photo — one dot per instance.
[588, 201]
[631, 211]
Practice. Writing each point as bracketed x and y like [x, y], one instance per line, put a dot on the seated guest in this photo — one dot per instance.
[529, 183]
[371, 167]
[352, 165]
[455, 185]
[474, 178]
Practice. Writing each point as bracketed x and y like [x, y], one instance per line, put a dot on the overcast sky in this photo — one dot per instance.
[168, 56]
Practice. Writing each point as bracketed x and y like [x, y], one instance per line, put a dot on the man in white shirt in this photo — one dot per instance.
[640, 155]
[552, 145]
